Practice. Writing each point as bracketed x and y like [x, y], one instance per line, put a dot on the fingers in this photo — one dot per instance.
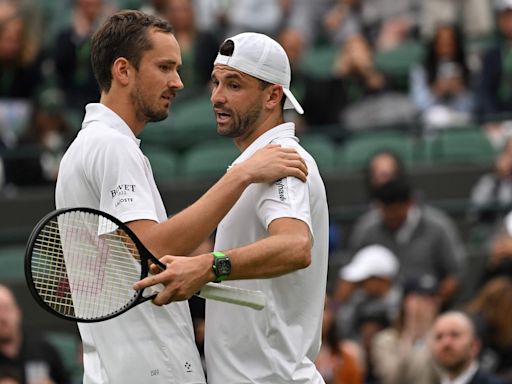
[146, 282]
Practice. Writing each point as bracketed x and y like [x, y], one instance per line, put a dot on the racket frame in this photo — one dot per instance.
[145, 256]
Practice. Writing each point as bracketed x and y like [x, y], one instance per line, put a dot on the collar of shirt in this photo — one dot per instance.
[404, 233]
[100, 112]
[465, 377]
[281, 131]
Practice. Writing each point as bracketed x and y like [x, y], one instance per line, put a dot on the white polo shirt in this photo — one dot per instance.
[279, 344]
[105, 169]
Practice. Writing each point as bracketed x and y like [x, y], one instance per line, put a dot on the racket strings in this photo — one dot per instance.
[83, 266]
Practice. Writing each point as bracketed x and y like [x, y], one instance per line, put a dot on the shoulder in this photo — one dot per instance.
[482, 377]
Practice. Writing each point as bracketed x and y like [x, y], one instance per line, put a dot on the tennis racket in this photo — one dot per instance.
[81, 264]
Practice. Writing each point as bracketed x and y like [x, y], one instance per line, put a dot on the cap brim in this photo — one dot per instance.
[291, 102]
[353, 274]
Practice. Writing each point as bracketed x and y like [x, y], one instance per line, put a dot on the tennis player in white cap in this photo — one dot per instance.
[274, 239]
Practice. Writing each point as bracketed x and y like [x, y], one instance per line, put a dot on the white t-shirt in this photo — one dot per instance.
[105, 169]
[279, 344]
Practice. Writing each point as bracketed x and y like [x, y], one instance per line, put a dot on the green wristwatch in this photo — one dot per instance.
[221, 266]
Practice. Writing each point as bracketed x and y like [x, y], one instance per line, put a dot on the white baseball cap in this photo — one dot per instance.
[264, 58]
[370, 261]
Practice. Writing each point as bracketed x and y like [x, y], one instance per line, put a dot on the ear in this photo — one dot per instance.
[275, 95]
[121, 71]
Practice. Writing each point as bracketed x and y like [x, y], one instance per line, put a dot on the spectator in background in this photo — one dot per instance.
[367, 284]
[198, 48]
[424, 239]
[368, 98]
[400, 353]
[389, 23]
[495, 83]
[474, 16]
[340, 361]
[490, 310]
[455, 347]
[491, 196]
[73, 52]
[155, 7]
[20, 55]
[383, 166]
[42, 144]
[440, 87]
[29, 356]
[342, 21]
[369, 298]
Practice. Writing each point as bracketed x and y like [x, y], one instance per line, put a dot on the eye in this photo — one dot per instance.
[234, 85]
[165, 68]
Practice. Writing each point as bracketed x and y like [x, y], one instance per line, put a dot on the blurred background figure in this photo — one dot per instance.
[35, 360]
[491, 196]
[382, 167]
[367, 284]
[21, 53]
[495, 79]
[400, 352]
[72, 53]
[424, 239]
[489, 309]
[368, 298]
[198, 48]
[455, 347]
[368, 99]
[340, 361]
[42, 143]
[440, 86]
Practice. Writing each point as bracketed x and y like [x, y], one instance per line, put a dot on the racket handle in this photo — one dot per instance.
[233, 295]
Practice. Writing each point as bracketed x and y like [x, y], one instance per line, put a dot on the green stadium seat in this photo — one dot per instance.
[460, 145]
[209, 159]
[357, 150]
[396, 63]
[318, 62]
[322, 148]
[193, 120]
[68, 346]
[12, 263]
[189, 121]
[164, 163]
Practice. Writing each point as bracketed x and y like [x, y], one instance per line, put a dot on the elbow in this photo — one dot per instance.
[303, 253]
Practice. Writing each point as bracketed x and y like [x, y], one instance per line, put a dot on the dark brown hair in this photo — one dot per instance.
[124, 34]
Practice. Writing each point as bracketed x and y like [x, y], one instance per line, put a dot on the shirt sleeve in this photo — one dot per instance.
[286, 197]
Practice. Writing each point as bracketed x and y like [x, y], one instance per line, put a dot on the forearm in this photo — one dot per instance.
[270, 257]
[185, 231]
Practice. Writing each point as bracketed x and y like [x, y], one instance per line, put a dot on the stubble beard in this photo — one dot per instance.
[144, 111]
[242, 123]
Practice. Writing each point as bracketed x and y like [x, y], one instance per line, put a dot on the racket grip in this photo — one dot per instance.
[233, 295]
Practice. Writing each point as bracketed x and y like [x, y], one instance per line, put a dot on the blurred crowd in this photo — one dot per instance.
[401, 305]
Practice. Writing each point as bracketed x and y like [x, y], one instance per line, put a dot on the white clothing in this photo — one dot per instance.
[105, 169]
[279, 344]
[464, 378]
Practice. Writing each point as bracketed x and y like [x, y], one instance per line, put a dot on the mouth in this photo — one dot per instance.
[222, 117]
[168, 97]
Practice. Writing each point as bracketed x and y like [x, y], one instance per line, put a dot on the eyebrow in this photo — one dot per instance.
[230, 76]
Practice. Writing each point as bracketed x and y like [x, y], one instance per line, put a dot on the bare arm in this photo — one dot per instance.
[183, 233]
[286, 249]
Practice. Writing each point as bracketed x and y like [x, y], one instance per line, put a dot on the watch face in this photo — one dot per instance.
[223, 266]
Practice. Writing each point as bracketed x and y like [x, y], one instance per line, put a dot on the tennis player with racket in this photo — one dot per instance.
[135, 59]
[275, 236]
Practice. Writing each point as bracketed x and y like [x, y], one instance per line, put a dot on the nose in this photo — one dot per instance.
[217, 96]
[175, 82]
